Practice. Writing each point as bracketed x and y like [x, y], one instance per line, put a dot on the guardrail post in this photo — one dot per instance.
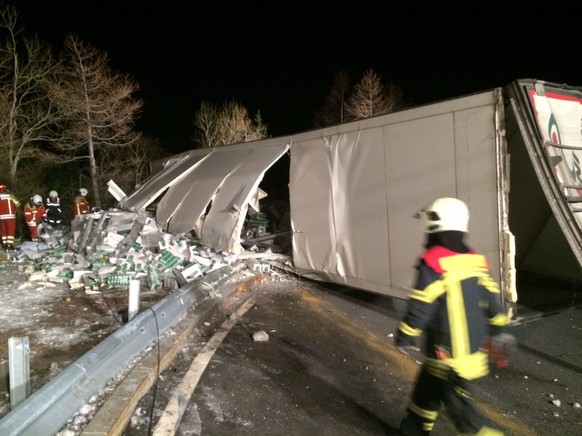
[133, 304]
[19, 370]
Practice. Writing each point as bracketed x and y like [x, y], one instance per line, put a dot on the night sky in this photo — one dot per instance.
[280, 57]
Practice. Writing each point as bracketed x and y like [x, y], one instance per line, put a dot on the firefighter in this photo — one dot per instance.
[54, 213]
[81, 204]
[456, 302]
[8, 207]
[34, 213]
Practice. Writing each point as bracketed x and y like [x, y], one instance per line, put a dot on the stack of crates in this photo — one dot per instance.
[259, 224]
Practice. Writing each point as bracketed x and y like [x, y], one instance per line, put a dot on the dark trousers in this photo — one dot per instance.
[432, 394]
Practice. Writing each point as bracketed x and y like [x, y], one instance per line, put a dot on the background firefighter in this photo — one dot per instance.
[81, 205]
[8, 207]
[34, 213]
[54, 213]
[456, 303]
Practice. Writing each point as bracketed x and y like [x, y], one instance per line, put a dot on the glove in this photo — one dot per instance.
[500, 347]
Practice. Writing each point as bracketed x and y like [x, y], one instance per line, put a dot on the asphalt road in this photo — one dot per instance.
[329, 368]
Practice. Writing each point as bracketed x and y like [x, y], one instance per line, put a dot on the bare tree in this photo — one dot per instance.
[228, 124]
[99, 107]
[371, 97]
[27, 114]
[394, 97]
[206, 121]
[334, 109]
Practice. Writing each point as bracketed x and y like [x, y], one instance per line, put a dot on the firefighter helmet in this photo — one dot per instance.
[53, 194]
[444, 214]
[37, 199]
[83, 192]
[2, 188]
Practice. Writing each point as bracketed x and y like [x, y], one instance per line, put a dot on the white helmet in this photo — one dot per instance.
[53, 194]
[83, 192]
[444, 214]
[37, 199]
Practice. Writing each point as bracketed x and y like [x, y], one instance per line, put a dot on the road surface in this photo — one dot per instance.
[326, 366]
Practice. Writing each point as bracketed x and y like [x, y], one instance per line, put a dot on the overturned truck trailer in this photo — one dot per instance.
[512, 154]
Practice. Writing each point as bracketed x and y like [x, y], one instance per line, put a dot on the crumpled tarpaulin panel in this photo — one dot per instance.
[174, 171]
[186, 202]
[219, 182]
[224, 222]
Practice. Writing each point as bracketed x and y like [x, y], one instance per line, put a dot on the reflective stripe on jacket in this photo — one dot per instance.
[34, 214]
[81, 206]
[456, 303]
[7, 206]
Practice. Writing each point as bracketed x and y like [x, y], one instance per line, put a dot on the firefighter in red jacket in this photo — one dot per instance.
[8, 206]
[456, 304]
[34, 213]
[81, 204]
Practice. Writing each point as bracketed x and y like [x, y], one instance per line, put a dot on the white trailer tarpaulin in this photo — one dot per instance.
[175, 169]
[354, 189]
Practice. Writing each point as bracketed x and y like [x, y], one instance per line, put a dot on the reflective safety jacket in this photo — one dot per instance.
[81, 206]
[34, 214]
[456, 303]
[54, 213]
[8, 205]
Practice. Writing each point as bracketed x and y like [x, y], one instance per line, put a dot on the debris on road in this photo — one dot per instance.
[260, 336]
[112, 248]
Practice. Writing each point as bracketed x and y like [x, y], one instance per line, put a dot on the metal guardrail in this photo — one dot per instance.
[47, 410]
